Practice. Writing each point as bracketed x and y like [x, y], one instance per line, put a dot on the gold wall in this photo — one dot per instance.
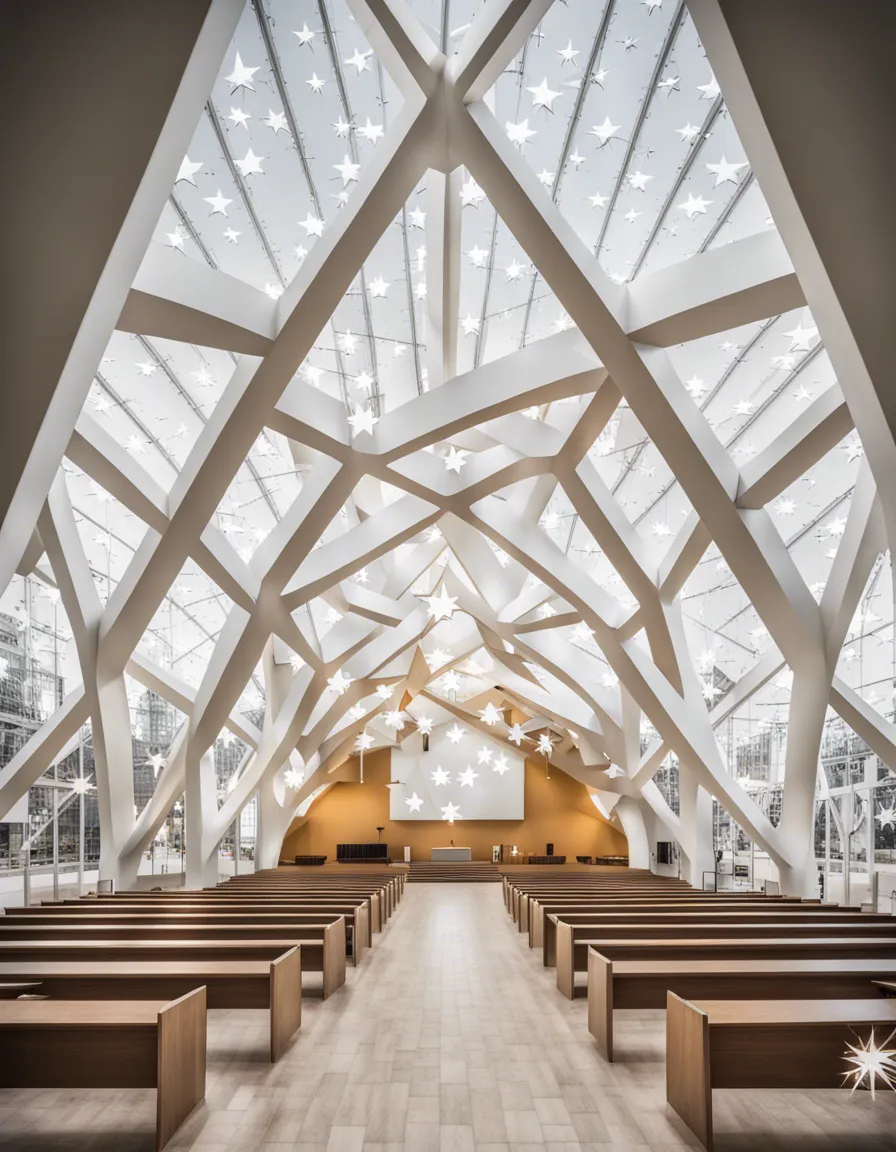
[558, 809]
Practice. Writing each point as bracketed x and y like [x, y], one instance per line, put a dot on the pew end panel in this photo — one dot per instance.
[334, 956]
[181, 1062]
[688, 1079]
[286, 1000]
[566, 969]
[600, 1002]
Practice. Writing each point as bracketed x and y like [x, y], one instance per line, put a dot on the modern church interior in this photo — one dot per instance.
[447, 503]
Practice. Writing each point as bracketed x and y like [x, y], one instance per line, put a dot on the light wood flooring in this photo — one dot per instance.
[451, 1037]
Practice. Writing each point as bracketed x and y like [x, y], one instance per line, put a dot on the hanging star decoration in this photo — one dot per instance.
[520, 133]
[441, 606]
[365, 740]
[450, 813]
[516, 734]
[339, 683]
[395, 720]
[694, 206]
[363, 419]
[293, 778]
[491, 715]
[484, 755]
[187, 171]
[501, 765]
[886, 817]
[467, 777]
[605, 131]
[872, 1064]
[543, 96]
[241, 76]
[414, 802]
[545, 744]
[440, 777]
[158, 762]
[424, 725]
[450, 681]
[456, 459]
[455, 734]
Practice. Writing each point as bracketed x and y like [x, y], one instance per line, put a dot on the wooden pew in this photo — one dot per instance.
[260, 920]
[209, 948]
[343, 902]
[620, 984]
[274, 985]
[533, 909]
[734, 948]
[759, 1044]
[384, 896]
[110, 1044]
[716, 921]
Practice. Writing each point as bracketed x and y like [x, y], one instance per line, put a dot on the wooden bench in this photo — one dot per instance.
[759, 1044]
[274, 985]
[718, 921]
[734, 948]
[539, 909]
[110, 1044]
[263, 921]
[171, 950]
[621, 984]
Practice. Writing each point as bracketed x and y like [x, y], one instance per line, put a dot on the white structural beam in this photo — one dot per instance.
[159, 89]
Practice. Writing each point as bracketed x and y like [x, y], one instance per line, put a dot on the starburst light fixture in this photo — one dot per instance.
[873, 1064]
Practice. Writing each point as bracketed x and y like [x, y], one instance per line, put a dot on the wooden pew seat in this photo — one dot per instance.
[643, 984]
[273, 985]
[761, 1044]
[110, 1044]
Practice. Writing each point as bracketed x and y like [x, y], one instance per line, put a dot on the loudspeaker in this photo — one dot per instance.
[549, 850]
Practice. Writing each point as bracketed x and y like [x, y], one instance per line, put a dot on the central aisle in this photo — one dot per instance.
[451, 1036]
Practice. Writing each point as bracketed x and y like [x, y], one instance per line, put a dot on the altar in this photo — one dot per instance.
[451, 854]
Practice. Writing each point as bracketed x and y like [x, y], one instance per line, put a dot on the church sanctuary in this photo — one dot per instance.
[447, 502]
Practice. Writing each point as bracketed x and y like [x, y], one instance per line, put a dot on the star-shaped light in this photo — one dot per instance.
[501, 765]
[513, 271]
[614, 770]
[315, 83]
[81, 785]
[694, 206]
[424, 725]
[231, 235]
[456, 459]
[218, 202]
[519, 133]
[470, 325]
[293, 778]
[785, 507]
[240, 117]
[743, 407]
[395, 720]
[886, 817]
[598, 201]
[414, 802]
[491, 715]
[546, 178]
[441, 606]
[341, 128]
[689, 132]
[545, 744]
[471, 193]
[241, 76]
[723, 171]
[450, 681]
[872, 1063]
[568, 54]
[440, 777]
[360, 60]
[543, 96]
[477, 256]
[631, 216]
[276, 121]
[363, 419]
[709, 91]
[158, 762]
[801, 338]
[365, 740]
[604, 131]
[436, 658]
[312, 226]
[450, 813]
[639, 180]
[696, 387]
[484, 755]
[371, 132]
[305, 36]
[187, 171]
[339, 683]
[467, 777]
[250, 165]
[176, 238]
[516, 734]
[378, 288]
[455, 734]
[348, 170]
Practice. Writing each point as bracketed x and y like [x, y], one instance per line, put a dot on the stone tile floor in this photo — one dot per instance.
[450, 1037]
